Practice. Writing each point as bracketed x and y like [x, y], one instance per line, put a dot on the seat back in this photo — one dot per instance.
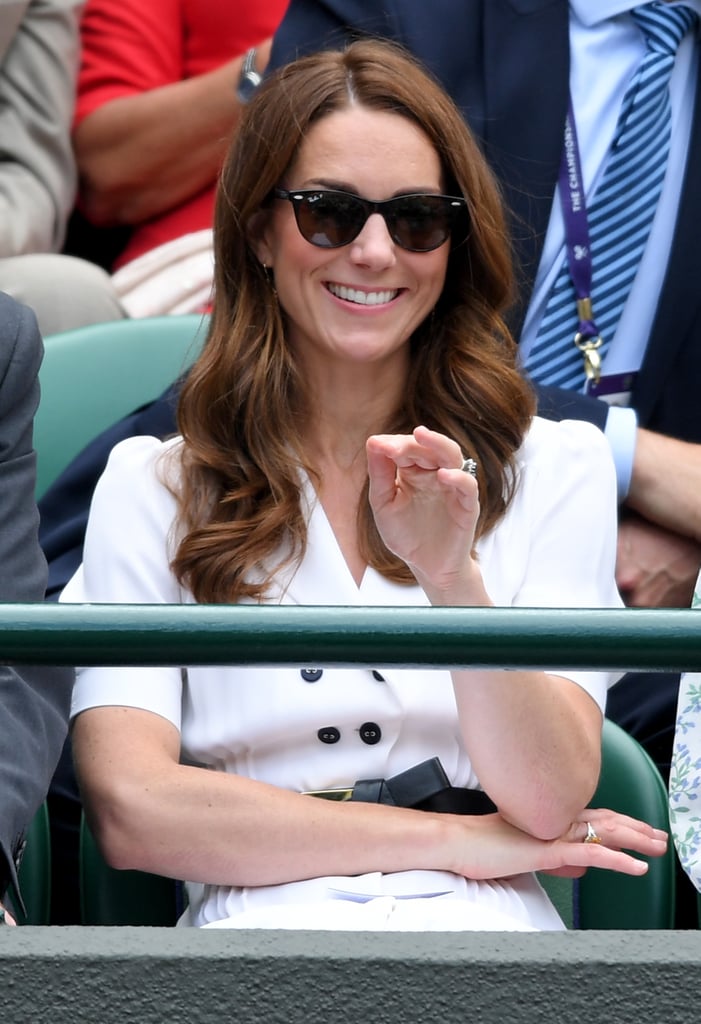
[93, 376]
[629, 783]
[112, 897]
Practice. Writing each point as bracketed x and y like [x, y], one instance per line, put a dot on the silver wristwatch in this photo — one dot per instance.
[249, 79]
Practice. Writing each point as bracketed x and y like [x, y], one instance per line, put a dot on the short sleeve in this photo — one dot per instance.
[128, 48]
[570, 504]
[126, 560]
[571, 493]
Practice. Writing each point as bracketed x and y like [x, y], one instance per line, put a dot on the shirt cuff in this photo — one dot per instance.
[621, 433]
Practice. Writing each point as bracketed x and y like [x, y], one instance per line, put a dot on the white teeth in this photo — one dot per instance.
[363, 298]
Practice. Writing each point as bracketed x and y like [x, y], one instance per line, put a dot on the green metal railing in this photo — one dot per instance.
[109, 635]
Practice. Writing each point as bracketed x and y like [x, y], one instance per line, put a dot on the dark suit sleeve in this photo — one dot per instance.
[558, 404]
[34, 700]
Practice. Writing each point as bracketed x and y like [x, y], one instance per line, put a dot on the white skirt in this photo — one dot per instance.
[404, 901]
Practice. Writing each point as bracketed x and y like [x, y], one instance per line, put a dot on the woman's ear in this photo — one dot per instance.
[257, 233]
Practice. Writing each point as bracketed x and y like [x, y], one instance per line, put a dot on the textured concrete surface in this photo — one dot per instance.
[105, 975]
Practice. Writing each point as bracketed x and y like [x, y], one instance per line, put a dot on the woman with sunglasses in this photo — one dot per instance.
[355, 432]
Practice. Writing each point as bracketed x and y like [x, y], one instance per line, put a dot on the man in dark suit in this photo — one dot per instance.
[34, 700]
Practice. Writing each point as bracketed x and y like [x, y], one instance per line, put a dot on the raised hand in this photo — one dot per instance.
[425, 507]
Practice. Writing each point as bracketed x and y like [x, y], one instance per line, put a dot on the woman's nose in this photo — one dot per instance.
[374, 246]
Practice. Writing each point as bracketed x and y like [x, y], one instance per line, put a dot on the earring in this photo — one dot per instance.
[270, 276]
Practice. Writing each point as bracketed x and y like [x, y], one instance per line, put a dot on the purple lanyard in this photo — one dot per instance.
[574, 211]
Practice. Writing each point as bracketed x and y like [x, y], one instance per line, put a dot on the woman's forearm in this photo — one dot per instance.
[534, 738]
[141, 155]
[153, 814]
[534, 742]
[666, 483]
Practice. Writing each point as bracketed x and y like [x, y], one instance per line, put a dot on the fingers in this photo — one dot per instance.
[616, 833]
[382, 474]
[422, 449]
[422, 467]
[620, 832]
[496, 849]
[589, 855]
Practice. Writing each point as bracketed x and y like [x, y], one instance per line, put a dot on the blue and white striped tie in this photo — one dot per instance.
[621, 212]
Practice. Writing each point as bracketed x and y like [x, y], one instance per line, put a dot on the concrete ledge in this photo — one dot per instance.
[106, 975]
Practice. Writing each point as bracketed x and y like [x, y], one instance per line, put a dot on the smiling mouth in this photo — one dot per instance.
[362, 298]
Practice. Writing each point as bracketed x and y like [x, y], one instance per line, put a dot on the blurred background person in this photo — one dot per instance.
[160, 90]
[39, 59]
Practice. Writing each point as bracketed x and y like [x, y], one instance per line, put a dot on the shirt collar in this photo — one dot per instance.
[592, 14]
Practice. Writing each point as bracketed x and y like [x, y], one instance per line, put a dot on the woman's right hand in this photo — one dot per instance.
[497, 849]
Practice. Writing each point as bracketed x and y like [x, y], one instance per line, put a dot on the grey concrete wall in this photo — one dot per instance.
[106, 975]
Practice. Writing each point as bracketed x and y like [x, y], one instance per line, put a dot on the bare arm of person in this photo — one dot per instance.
[141, 155]
[655, 567]
[151, 813]
[666, 483]
[659, 541]
[534, 738]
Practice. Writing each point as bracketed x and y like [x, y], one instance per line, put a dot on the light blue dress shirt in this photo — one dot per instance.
[606, 47]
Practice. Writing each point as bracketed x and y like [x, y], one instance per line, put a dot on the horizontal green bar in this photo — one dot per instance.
[645, 639]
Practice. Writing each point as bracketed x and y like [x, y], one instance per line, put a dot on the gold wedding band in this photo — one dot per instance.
[591, 836]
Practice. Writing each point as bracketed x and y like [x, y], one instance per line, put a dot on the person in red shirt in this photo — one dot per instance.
[157, 101]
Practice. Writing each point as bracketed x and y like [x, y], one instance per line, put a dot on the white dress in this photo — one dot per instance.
[555, 547]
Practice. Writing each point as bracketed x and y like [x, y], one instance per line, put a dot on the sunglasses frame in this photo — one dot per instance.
[453, 204]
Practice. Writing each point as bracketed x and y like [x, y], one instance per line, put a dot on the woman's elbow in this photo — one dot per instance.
[119, 817]
[550, 810]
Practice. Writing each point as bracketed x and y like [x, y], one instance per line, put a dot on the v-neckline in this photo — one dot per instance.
[320, 523]
[324, 559]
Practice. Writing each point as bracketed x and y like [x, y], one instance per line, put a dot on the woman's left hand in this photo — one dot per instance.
[608, 830]
[425, 506]
[494, 848]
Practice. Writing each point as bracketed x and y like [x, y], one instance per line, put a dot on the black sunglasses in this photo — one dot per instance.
[330, 219]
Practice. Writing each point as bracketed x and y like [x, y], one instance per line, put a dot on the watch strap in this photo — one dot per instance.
[250, 78]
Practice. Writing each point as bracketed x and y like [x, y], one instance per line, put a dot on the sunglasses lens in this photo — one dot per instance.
[330, 219]
[420, 223]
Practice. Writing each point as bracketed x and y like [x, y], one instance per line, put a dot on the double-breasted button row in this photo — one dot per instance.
[369, 733]
[313, 675]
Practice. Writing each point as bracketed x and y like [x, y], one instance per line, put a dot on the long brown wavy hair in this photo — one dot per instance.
[242, 408]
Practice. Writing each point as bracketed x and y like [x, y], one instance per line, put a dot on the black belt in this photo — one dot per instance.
[425, 787]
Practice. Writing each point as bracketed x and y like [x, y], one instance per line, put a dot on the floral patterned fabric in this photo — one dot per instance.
[685, 774]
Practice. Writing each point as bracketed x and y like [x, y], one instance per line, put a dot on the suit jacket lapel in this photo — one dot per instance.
[524, 118]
